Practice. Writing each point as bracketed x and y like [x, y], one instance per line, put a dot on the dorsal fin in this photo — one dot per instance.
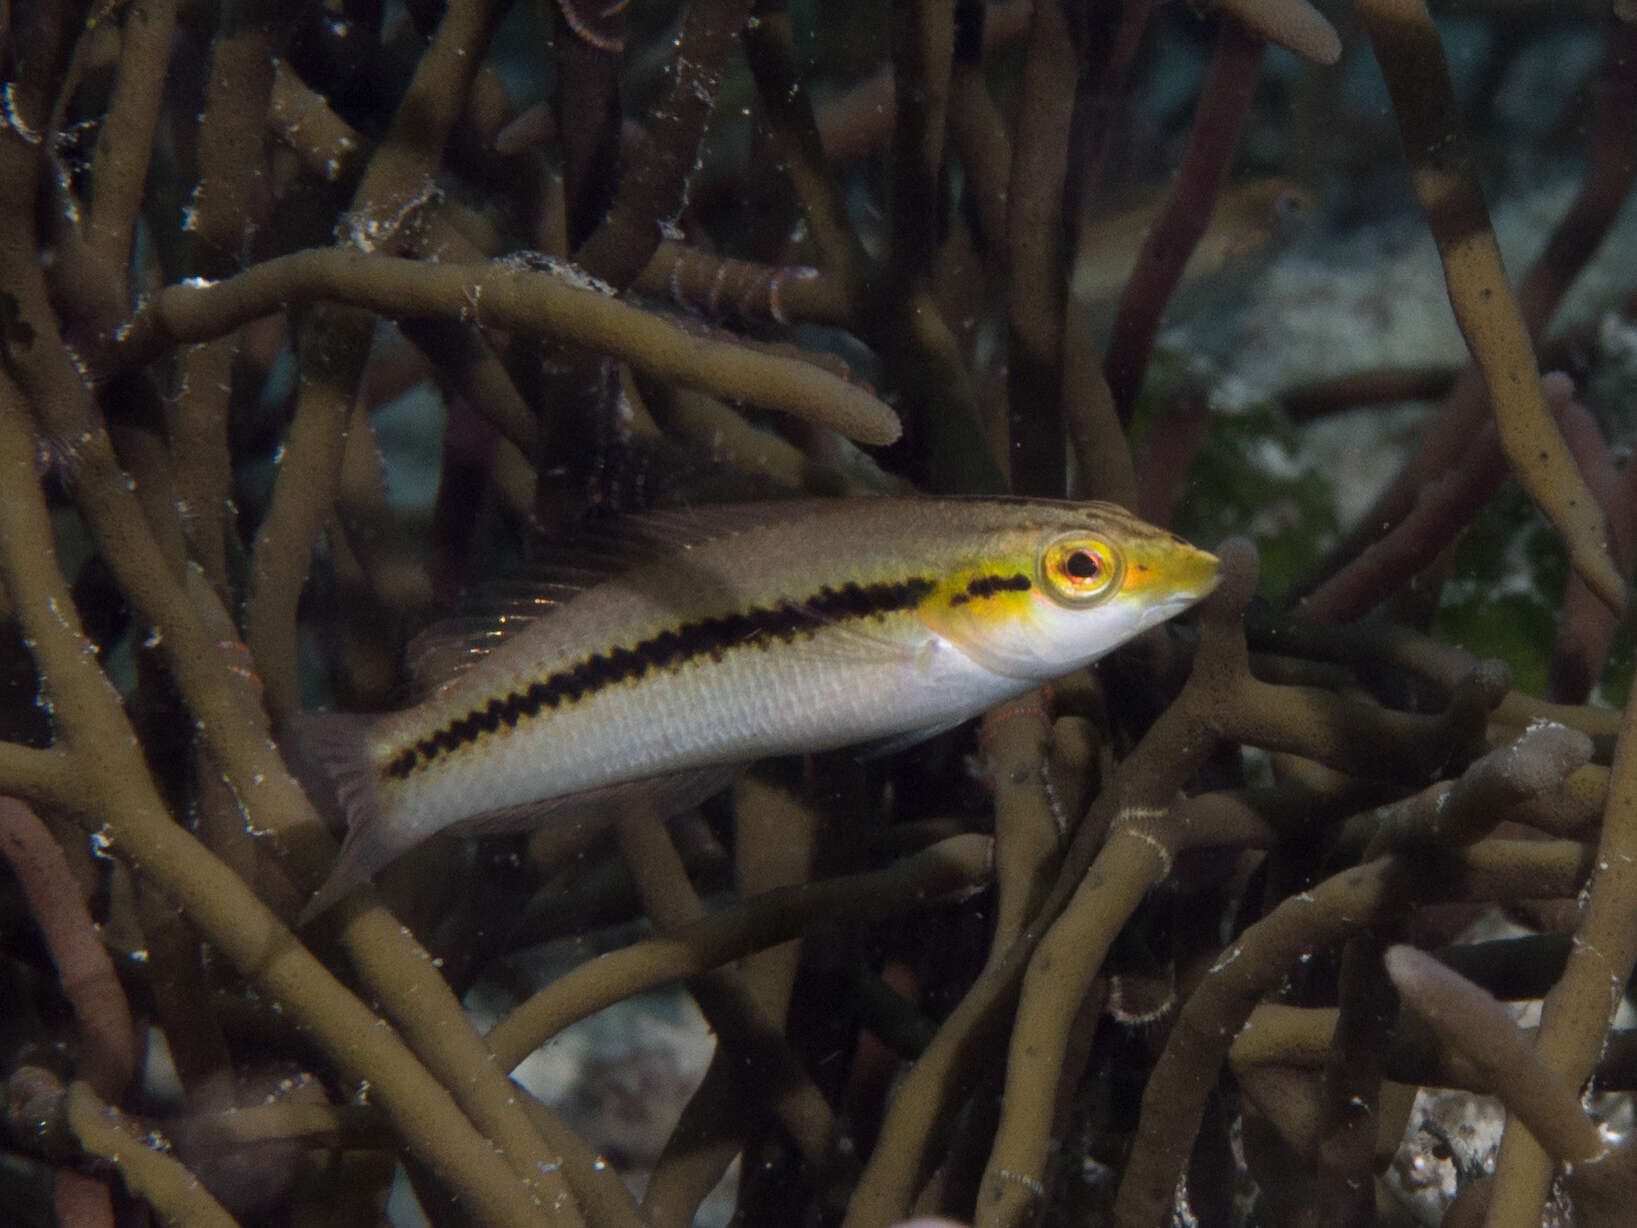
[447, 649]
[643, 536]
[589, 555]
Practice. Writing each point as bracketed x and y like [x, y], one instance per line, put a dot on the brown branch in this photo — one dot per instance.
[119, 164]
[1223, 103]
[329, 147]
[1317, 919]
[652, 192]
[902, 322]
[399, 179]
[1103, 463]
[1220, 702]
[1299, 1039]
[1585, 626]
[234, 732]
[1314, 399]
[774, 838]
[111, 794]
[333, 348]
[1087, 904]
[1468, 1019]
[515, 299]
[228, 204]
[767, 1069]
[761, 921]
[1466, 810]
[1576, 1015]
[148, 1170]
[1576, 237]
[1442, 509]
[861, 121]
[923, 50]
[1292, 24]
[244, 65]
[979, 133]
[32, 775]
[1497, 330]
[106, 1047]
[588, 110]
[715, 287]
[1036, 270]
[1179, 433]
[81, 1201]
[769, 48]
[1029, 834]
[333, 343]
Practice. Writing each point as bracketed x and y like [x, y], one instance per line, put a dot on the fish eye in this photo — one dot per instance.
[1292, 202]
[1083, 565]
[1080, 570]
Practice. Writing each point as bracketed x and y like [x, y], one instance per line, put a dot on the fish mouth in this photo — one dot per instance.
[1194, 578]
[1197, 576]
[1168, 608]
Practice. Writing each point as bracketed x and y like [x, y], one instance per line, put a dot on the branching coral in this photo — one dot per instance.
[1043, 971]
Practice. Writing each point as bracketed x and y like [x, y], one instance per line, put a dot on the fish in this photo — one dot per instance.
[685, 644]
[1250, 224]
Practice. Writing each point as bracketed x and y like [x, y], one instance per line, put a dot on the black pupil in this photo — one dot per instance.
[1082, 565]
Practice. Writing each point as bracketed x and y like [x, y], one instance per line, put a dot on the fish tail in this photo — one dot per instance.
[338, 742]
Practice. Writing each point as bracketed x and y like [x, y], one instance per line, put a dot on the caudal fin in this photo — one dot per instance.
[338, 743]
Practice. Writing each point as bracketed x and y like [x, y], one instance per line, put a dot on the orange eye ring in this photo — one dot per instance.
[1080, 570]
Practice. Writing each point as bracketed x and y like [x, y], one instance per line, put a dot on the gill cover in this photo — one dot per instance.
[1036, 613]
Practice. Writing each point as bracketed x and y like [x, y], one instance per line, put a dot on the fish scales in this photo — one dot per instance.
[823, 625]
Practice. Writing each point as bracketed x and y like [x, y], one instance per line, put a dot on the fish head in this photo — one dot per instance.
[1052, 598]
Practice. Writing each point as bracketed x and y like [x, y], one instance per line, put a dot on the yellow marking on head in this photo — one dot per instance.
[1055, 595]
[971, 600]
[1162, 566]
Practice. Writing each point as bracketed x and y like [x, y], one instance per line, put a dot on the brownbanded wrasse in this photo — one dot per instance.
[711, 638]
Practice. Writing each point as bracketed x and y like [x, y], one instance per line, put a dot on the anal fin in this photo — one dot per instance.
[665, 795]
[882, 747]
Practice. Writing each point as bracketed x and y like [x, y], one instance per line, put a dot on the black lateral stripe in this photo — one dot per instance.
[705, 637]
[980, 587]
